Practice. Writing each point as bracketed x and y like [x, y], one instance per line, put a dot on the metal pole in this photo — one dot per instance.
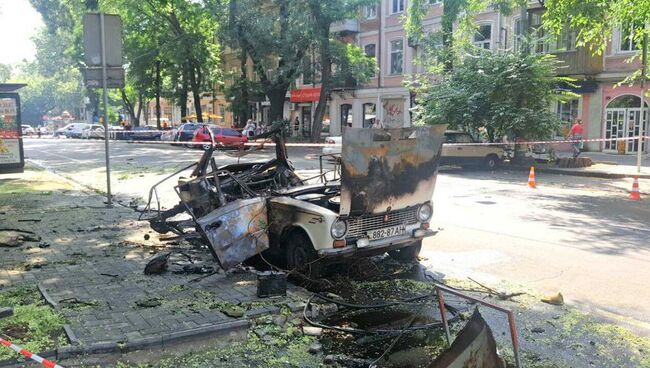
[109, 199]
[443, 315]
[644, 64]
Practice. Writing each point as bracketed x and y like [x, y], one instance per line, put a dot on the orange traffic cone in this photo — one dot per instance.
[531, 178]
[635, 195]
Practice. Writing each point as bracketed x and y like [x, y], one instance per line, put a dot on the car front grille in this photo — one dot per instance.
[359, 226]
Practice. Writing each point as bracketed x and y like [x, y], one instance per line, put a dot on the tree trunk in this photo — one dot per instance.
[242, 114]
[182, 98]
[128, 105]
[139, 113]
[158, 94]
[326, 84]
[196, 92]
[276, 96]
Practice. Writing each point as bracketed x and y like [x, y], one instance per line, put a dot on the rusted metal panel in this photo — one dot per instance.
[237, 231]
[388, 169]
[474, 347]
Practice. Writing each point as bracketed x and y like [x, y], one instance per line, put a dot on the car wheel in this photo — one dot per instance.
[206, 146]
[301, 256]
[491, 162]
[188, 145]
[407, 254]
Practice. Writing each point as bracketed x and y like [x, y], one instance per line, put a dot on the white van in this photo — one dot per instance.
[72, 130]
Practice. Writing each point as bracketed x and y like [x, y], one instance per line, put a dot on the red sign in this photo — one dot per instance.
[305, 94]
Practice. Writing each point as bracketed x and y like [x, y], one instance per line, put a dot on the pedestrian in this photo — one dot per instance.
[575, 134]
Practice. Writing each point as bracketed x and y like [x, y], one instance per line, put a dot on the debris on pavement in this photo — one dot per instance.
[12, 238]
[557, 299]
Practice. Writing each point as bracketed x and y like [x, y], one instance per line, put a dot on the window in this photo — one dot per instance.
[396, 6]
[369, 115]
[517, 32]
[346, 115]
[230, 132]
[483, 37]
[396, 56]
[370, 50]
[566, 41]
[567, 111]
[626, 40]
[370, 12]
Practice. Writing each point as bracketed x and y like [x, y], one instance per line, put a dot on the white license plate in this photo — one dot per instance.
[386, 232]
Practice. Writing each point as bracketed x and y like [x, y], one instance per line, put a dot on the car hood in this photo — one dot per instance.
[388, 169]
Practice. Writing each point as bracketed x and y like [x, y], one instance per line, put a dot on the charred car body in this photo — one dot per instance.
[379, 201]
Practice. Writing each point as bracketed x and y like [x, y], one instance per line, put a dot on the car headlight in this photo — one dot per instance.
[425, 212]
[339, 229]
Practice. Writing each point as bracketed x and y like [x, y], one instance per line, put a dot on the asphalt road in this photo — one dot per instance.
[577, 235]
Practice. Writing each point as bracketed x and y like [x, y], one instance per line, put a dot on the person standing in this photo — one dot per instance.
[575, 134]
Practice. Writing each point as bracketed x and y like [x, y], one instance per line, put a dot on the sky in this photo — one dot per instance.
[19, 21]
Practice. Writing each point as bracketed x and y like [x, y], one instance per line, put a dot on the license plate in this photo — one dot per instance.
[386, 232]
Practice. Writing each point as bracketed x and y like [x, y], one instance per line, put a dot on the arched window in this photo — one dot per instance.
[625, 101]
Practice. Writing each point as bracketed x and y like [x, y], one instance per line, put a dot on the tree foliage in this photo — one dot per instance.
[595, 20]
[5, 72]
[505, 93]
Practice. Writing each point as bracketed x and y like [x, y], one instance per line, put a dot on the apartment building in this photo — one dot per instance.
[607, 109]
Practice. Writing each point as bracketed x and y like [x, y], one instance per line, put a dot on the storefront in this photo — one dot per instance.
[12, 158]
[304, 102]
[623, 119]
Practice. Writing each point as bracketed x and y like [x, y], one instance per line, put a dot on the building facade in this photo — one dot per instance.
[607, 108]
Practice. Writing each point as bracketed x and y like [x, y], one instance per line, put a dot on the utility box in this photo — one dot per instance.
[12, 156]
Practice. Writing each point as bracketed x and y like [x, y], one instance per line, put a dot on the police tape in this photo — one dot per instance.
[28, 354]
[269, 143]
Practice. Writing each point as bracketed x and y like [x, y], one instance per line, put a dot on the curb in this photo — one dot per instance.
[592, 174]
[163, 341]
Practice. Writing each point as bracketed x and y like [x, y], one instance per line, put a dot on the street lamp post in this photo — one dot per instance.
[644, 64]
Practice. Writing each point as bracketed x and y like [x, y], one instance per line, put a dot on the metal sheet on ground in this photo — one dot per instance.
[237, 231]
[388, 169]
[473, 347]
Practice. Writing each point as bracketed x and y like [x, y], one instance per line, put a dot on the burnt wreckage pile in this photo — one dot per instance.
[379, 201]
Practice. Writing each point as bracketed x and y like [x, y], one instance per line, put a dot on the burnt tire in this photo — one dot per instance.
[409, 253]
[300, 255]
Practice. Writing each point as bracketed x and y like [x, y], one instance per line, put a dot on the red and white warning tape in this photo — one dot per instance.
[29, 355]
[320, 145]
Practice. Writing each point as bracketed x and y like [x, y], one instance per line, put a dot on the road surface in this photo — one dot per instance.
[577, 235]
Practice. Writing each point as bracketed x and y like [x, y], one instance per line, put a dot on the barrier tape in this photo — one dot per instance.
[28, 354]
[320, 145]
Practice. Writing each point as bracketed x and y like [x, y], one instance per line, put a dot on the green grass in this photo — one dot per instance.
[278, 347]
[42, 325]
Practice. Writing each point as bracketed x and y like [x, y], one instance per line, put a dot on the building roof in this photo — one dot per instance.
[11, 87]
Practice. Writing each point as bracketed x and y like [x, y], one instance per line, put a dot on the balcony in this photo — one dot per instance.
[579, 62]
[345, 27]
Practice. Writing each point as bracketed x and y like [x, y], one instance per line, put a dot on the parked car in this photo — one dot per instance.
[487, 156]
[143, 133]
[94, 131]
[185, 132]
[27, 129]
[72, 130]
[333, 145]
[224, 137]
[169, 135]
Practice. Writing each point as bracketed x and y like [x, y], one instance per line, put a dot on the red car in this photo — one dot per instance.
[224, 137]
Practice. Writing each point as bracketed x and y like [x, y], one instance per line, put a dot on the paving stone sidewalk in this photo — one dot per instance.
[89, 264]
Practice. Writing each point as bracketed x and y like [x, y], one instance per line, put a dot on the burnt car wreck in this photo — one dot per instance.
[377, 199]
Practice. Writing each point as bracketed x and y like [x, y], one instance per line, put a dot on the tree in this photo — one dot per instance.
[5, 72]
[274, 35]
[54, 84]
[323, 15]
[505, 93]
[596, 21]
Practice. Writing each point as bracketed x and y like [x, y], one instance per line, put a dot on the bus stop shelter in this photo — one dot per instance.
[12, 156]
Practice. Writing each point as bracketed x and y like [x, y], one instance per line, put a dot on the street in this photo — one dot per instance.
[577, 235]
